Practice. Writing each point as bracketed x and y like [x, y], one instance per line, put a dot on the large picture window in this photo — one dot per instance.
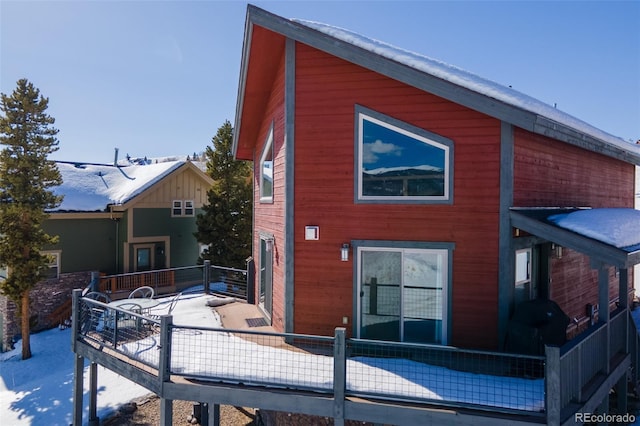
[397, 162]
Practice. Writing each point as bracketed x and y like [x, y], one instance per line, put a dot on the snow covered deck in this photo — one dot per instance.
[179, 358]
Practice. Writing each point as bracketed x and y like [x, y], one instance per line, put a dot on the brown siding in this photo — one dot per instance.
[327, 90]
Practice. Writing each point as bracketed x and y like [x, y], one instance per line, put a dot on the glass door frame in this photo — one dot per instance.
[265, 274]
[376, 245]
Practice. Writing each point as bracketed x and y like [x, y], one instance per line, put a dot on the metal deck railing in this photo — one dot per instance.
[542, 388]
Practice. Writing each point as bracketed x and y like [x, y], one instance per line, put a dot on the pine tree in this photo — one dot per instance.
[25, 178]
[225, 225]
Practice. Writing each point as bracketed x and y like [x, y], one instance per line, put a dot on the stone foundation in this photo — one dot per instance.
[46, 297]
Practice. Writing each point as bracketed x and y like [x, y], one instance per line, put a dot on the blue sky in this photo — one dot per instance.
[158, 78]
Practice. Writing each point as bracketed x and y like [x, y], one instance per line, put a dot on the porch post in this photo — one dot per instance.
[339, 375]
[94, 420]
[78, 361]
[552, 384]
[206, 279]
[603, 309]
[213, 415]
[621, 386]
[164, 369]
[78, 387]
[623, 288]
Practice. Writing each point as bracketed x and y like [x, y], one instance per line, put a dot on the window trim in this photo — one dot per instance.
[185, 207]
[422, 135]
[266, 150]
[176, 205]
[189, 208]
[57, 254]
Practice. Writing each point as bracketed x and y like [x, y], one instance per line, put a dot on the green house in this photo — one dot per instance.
[114, 219]
[117, 219]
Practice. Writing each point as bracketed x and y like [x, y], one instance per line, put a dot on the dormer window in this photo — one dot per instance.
[398, 162]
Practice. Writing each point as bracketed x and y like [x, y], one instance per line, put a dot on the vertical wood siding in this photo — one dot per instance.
[327, 90]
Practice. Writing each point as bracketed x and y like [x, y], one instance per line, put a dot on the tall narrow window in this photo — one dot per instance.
[266, 170]
[398, 162]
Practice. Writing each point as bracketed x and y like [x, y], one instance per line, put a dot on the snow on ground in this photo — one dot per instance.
[40, 390]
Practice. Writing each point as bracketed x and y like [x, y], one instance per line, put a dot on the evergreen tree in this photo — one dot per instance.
[25, 178]
[225, 225]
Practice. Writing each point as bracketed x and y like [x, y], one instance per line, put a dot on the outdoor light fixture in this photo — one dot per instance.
[344, 252]
[557, 251]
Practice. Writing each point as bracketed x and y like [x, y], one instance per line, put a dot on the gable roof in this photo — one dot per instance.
[430, 75]
[94, 187]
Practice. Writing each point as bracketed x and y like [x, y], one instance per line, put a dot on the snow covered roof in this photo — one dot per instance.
[430, 75]
[610, 235]
[614, 226]
[92, 187]
[469, 81]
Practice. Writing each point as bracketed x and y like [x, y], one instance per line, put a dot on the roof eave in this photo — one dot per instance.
[482, 103]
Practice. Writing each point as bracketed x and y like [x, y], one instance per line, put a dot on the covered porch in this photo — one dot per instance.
[598, 358]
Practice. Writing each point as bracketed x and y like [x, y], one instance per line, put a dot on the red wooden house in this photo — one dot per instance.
[403, 198]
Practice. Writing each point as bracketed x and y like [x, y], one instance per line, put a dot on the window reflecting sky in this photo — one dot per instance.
[386, 148]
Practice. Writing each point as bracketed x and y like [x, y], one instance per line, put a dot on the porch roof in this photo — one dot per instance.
[606, 235]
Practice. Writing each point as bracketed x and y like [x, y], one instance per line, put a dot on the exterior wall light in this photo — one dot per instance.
[344, 252]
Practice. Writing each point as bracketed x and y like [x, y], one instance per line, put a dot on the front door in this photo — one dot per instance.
[266, 276]
[403, 294]
[143, 257]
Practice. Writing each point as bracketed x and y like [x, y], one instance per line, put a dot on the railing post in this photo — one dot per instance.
[78, 361]
[164, 368]
[206, 271]
[251, 288]
[75, 318]
[553, 398]
[339, 375]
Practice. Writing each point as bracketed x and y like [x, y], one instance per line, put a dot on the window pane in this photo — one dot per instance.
[523, 260]
[266, 169]
[177, 208]
[424, 282]
[380, 296]
[143, 258]
[188, 208]
[398, 164]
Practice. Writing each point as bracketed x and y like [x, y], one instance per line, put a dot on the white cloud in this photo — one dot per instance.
[371, 151]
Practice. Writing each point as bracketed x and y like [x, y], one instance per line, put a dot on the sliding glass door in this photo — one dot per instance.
[403, 294]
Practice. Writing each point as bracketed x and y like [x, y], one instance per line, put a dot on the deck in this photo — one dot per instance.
[349, 379]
